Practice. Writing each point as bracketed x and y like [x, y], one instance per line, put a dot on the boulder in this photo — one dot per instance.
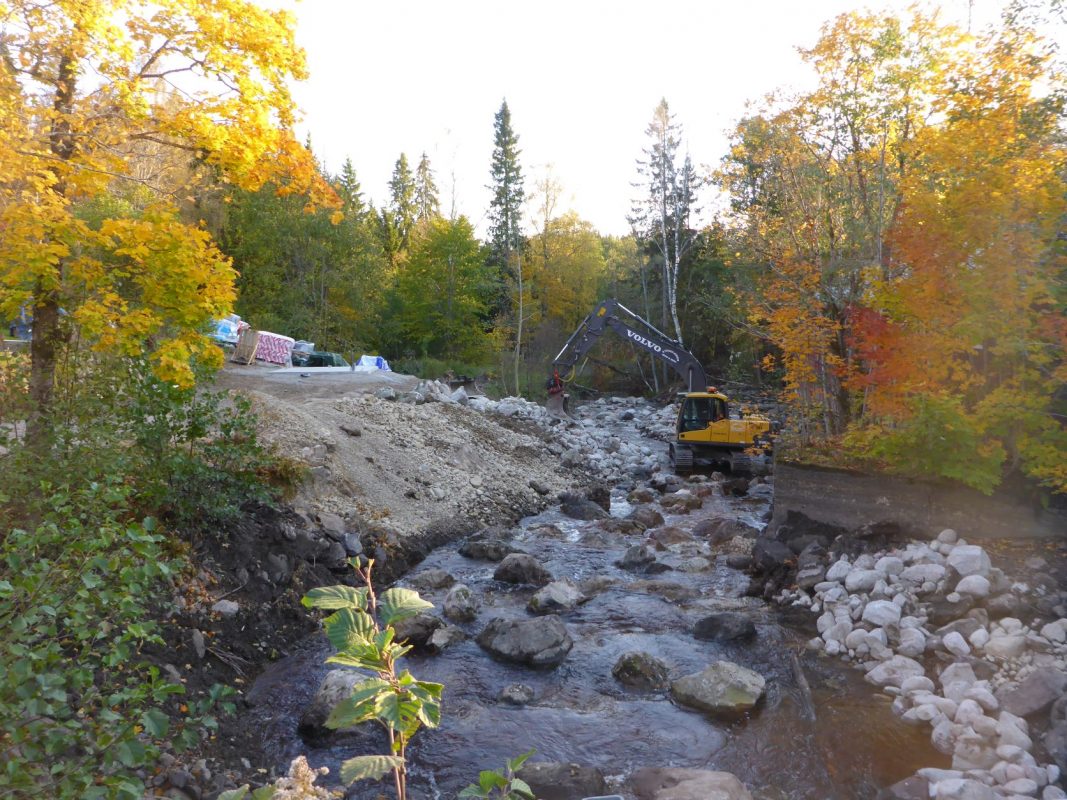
[973, 585]
[862, 580]
[444, 637]
[646, 516]
[721, 688]
[769, 555]
[881, 613]
[666, 536]
[431, 579]
[488, 549]
[417, 630]
[726, 626]
[640, 671]
[969, 559]
[516, 694]
[722, 529]
[913, 788]
[918, 574]
[681, 502]
[539, 642]
[653, 783]
[556, 781]
[636, 557]
[577, 507]
[460, 604]
[556, 597]
[1035, 693]
[522, 568]
[894, 671]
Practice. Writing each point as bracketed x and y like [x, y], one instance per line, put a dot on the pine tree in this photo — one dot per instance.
[402, 199]
[427, 203]
[505, 214]
[350, 191]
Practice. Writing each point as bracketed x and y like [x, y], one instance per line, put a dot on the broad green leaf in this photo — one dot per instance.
[264, 793]
[515, 764]
[358, 707]
[348, 627]
[523, 788]
[369, 767]
[490, 779]
[362, 657]
[334, 597]
[472, 791]
[397, 604]
[155, 722]
[235, 794]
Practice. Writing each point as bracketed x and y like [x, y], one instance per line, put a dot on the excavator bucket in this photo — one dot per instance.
[555, 405]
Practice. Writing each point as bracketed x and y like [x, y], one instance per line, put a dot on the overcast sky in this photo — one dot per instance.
[581, 77]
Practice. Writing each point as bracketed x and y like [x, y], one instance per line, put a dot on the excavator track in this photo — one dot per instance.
[681, 459]
[741, 464]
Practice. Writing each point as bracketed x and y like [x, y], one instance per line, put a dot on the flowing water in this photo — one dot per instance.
[581, 714]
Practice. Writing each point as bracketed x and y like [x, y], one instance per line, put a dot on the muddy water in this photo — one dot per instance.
[581, 714]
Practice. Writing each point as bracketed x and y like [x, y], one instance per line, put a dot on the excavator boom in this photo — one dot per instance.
[611, 314]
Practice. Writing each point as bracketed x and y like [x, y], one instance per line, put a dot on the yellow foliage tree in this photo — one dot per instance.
[85, 87]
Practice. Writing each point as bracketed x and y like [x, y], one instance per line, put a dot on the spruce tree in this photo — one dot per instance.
[402, 199]
[505, 209]
[348, 187]
[505, 216]
[427, 203]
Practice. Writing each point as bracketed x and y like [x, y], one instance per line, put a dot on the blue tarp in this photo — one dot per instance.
[374, 361]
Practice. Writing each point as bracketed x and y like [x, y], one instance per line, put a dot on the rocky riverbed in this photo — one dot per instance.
[648, 635]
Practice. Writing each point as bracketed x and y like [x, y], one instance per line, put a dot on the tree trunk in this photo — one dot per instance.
[43, 362]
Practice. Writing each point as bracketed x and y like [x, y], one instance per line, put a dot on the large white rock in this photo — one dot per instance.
[1055, 631]
[912, 642]
[956, 644]
[918, 574]
[838, 571]
[881, 613]
[959, 672]
[862, 580]
[894, 671]
[969, 559]
[961, 789]
[947, 536]
[973, 585]
[889, 565]
[1005, 645]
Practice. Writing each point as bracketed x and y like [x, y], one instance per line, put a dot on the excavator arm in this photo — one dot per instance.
[613, 315]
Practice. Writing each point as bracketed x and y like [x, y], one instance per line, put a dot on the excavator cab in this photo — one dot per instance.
[699, 412]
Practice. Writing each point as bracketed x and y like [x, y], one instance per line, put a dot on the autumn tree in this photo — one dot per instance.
[84, 83]
[963, 340]
[815, 184]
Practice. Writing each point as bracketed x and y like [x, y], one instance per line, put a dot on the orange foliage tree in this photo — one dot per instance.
[85, 86]
[897, 230]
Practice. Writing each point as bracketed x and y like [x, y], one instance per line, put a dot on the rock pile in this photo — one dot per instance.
[943, 605]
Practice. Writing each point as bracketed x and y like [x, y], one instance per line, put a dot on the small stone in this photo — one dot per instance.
[974, 585]
[227, 608]
[517, 694]
[198, 644]
[881, 613]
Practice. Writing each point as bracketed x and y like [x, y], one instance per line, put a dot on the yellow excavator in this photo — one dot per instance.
[709, 433]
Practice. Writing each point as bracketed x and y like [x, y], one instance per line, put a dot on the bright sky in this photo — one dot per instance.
[581, 77]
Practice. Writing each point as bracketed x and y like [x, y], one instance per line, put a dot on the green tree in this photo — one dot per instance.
[402, 200]
[505, 216]
[427, 202]
[443, 291]
[350, 191]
